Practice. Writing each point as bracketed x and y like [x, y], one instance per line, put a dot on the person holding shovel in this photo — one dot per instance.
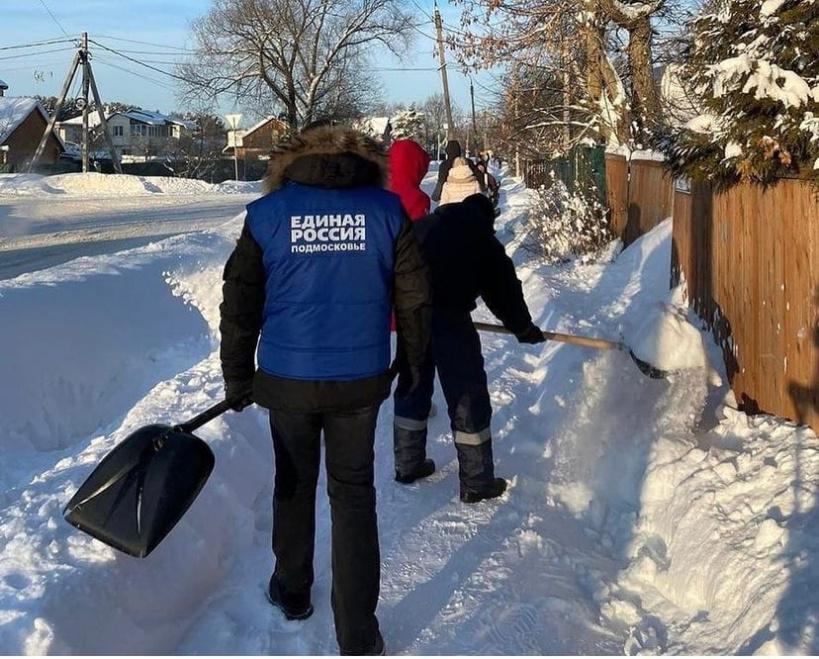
[322, 259]
[466, 261]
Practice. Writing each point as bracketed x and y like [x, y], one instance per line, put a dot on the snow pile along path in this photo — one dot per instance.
[643, 516]
[92, 184]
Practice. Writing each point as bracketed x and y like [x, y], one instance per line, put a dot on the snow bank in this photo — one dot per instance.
[666, 339]
[93, 184]
[102, 346]
[725, 547]
[90, 338]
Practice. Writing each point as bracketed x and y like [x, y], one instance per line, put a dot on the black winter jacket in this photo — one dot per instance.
[467, 261]
[330, 158]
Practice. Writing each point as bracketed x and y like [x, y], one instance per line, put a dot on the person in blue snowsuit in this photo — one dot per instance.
[323, 258]
[465, 261]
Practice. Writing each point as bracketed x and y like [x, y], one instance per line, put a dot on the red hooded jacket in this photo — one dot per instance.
[408, 166]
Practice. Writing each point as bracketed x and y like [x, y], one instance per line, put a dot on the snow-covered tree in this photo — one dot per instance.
[564, 224]
[754, 64]
[408, 124]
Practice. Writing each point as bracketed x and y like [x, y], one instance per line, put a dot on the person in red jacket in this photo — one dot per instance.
[408, 165]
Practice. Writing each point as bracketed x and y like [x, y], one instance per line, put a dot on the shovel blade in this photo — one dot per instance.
[647, 369]
[141, 489]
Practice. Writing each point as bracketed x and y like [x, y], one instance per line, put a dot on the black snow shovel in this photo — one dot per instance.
[587, 342]
[141, 489]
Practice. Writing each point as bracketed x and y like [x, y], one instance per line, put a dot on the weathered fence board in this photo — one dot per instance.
[617, 192]
[650, 198]
[751, 262]
[640, 196]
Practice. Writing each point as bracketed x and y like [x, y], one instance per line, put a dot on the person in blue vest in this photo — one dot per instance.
[465, 261]
[323, 258]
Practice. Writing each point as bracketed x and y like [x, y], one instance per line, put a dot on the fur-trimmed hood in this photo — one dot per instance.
[327, 157]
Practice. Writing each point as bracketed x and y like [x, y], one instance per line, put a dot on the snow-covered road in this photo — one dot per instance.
[37, 233]
[643, 516]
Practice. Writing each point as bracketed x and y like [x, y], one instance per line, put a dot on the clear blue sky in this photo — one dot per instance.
[166, 22]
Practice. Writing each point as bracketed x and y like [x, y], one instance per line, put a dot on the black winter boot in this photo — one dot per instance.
[378, 649]
[492, 491]
[294, 608]
[426, 468]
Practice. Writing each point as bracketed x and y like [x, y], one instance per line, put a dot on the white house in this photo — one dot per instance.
[135, 132]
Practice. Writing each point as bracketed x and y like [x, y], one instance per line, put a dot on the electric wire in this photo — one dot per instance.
[155, 81]
[35, 44]
[42, 52]
[54, 18]
[141, 63]
[143, 43]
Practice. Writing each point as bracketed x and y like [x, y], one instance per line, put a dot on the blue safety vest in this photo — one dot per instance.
[329, 260]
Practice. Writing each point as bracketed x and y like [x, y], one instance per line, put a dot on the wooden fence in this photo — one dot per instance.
[640, 196]
[750, 258]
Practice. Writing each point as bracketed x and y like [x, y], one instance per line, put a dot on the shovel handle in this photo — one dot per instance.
[208, 415]
[585, 341]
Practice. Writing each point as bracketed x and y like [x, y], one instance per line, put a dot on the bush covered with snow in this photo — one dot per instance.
[755, 66]
[563, 224]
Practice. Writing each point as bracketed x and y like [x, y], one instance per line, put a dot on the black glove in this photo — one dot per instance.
[408, 381]
[240, 393]
[532, 334]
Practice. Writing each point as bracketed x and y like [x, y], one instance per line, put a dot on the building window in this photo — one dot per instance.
[118, 131]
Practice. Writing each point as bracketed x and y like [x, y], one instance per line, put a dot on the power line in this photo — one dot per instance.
[49, 42]
[54, 18]
[135, 73]
[144, 43]
[42, 52]
[34, 66]
[166, 53]
[403, 69]
[136, 61]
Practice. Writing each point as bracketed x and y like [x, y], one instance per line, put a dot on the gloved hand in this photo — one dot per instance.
[240, 392]
[408, 380]
[532, 334]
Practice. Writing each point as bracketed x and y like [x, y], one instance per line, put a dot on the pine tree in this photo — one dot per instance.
[754, 64]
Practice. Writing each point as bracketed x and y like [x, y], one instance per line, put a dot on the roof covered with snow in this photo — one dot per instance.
[3, 84]
[374, 126]
[13, 111]
[142, 116]
[258, 125]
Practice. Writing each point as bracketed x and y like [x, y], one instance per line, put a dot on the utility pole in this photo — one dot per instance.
[439, 29]
[517, 139]
[81, 58]
[86, 83]
[474, 121]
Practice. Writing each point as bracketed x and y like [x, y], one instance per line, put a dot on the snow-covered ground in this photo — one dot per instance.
[644, 516]
[45, 221]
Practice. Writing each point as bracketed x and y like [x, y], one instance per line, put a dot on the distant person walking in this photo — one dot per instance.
[490, 182]
[323, 257]
[409, 164]
[461, 182]
[453, 150]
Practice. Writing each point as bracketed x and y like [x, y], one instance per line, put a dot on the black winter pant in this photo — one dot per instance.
[349, 444]
[455, 351]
